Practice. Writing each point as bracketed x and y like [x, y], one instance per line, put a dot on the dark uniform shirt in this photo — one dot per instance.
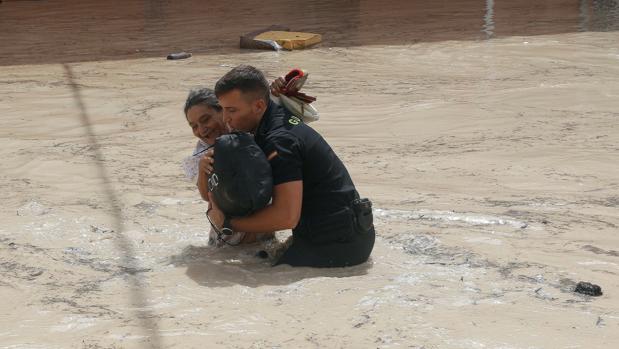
[302, 154]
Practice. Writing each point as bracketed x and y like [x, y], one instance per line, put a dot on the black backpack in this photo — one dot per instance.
[241, 182]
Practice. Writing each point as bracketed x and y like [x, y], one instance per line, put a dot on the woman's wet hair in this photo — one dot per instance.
[202, 96]
[245, 78]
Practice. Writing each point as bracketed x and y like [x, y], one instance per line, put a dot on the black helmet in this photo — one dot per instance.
[241, 182]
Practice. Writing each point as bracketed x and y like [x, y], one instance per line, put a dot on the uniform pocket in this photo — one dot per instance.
[364, 218]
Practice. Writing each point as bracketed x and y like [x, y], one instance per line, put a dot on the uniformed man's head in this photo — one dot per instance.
[243, 94]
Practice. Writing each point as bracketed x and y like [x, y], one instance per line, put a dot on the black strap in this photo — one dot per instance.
[221, 232]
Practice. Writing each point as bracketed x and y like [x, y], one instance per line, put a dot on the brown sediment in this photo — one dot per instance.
[493, 163]
[34, 32]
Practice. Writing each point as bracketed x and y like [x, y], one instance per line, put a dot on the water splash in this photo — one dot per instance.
[448, 216]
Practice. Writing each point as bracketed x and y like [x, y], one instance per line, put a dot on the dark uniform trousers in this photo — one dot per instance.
[304, 253]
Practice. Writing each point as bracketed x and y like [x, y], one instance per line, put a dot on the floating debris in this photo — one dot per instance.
[100, 230]
[36, 273]
[588, 289]
[179, 55]
[249, 40]
[290, 40]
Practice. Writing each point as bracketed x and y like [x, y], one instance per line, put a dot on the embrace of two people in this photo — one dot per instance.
[312, 192]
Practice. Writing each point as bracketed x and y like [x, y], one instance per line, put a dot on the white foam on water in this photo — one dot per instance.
[32, 208]
[237, 327]
[29, 346]
[175, 333]
[126, 336]
[598, 263]
[171, 201]
[409, 279]
[484, 240]
[73, 323]
[463, 302]
[448, 216]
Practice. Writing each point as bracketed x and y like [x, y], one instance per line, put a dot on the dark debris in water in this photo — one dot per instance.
[99, 230]
[9, 269]
[148, 207]
[133, 270]
[588, 289]
[80, 256]
[75, 307]
[598, 250]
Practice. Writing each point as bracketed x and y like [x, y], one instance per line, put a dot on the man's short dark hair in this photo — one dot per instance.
[245, 78]
[201, 95]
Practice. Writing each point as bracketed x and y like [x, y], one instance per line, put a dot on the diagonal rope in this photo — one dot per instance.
[138, 296]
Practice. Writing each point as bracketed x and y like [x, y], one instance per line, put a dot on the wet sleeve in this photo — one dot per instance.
[287, 165]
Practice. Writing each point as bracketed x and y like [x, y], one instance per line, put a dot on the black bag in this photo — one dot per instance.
[241, 182]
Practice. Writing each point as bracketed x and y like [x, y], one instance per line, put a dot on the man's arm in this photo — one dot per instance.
[284, 211]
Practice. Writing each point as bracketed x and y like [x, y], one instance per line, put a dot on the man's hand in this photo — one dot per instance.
[206, 162]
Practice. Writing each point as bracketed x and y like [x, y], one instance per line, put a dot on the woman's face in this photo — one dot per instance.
[206, 123]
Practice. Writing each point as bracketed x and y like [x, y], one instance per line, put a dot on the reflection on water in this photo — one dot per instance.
[584, 15]
[72, 30]
[599, 15]
[489, 19]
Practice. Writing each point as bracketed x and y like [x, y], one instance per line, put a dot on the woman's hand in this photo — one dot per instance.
[214, 213]
[206, 162]
[277, 86]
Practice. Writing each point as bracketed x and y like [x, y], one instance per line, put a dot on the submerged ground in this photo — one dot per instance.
[485, 132]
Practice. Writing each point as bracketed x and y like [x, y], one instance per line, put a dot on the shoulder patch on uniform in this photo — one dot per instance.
[294, 120]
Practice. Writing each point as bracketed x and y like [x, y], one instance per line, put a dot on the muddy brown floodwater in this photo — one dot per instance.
[486, 133]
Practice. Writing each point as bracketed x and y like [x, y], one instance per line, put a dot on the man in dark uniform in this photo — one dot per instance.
[313, 193]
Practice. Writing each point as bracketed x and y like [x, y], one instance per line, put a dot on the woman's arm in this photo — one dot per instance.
[203, 177]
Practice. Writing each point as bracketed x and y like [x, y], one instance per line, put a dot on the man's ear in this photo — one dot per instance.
[260, 106]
